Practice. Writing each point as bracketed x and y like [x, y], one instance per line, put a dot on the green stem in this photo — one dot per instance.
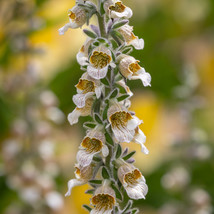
[101, 23]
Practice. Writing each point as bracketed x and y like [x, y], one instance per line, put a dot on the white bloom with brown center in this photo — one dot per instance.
[127, 33]
[83, 174]
[104, 200]
[92, 144]
[86, 88]
[99, 62]
[116, 9]
[123, 123]
[133, 181]
[129, 68]
[77, 18]
[73, 117]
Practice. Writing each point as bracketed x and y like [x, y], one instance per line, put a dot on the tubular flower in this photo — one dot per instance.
[93, 143]
[116, 9]
[123, 123]
[104, 200]
[86, 88]
[82, 174]
[129, 68]
[123, 84]
[100, 60]
[127, 33]
[82, 55]
[77, 18]
[73, 117]
[133, 181]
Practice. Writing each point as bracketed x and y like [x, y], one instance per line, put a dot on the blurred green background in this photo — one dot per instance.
[38, 71]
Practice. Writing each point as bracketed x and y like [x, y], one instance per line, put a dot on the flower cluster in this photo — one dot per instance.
[103, 95]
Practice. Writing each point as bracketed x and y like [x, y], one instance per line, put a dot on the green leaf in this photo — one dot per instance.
[102, 10]
[119, 151]
[97, 159]
[87, 207]
[89, 125]
[127, 50]
[90, 33]
[123, 97]
[117, 192]
[129, 155]
[97, 118]
[114, 93]
[129, 205]
[119, 24]
[135, 211]
[105, 112]
[95, 181]
[90, 191]
[109, 139]
[105, 81]
[101, 40]
[105, 173]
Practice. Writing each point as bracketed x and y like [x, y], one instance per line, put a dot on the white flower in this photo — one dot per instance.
[116, 9]
[129, 68]
[122, 122]
[99, 62]
[127, 33]
[77, 18]
[82, 55]
[104, 200]
[92, 144]
[73, 117]
[83, 174]
[133, 181]
[86, 88]
[140, 138]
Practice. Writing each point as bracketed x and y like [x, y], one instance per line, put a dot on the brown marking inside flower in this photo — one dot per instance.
[72, 15]
[103, 202]
[82, 49]
[86, 86]
[100, 59]
[92, 144]
[132, 177]
[120, 118]
[77, 171]
[118, 7]
[134, 67]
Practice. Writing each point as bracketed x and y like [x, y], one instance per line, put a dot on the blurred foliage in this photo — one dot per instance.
[177, 34]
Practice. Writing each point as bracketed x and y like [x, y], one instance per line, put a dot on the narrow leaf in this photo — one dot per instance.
[97, 118]
[105, 112]
[105, 81]
[129, 205]
[109, 139]
[105, 173]
[129, 155]
[90, 191]
[95, 29]
[89, 125]
[123, 97]
[119, 151]
[119, 24]
[117, 192]
[87, 207]
[95, 181]
[102, 10]
[97, 159]
[114, 93]
[135, 211]
[90, 33]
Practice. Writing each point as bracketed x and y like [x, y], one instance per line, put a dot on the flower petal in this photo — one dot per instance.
[127, 13]
[81, 58]
[85, 158]
[137, 43]
[63, 29]
[105, 151]
[98, 91]
[97, 73]
[73, 117]
[133, 123]
[137, 192]
[140, 138]
[143, 76]
[122, 134]
[72, 183]
[80, 99]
